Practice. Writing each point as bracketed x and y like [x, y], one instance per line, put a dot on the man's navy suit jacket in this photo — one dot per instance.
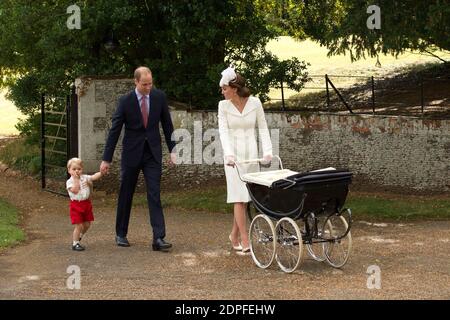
[128, 113]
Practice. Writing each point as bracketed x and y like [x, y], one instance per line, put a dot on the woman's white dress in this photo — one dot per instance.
[238, 138]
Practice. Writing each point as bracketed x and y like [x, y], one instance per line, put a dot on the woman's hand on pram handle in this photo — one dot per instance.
[267, 159]
[230, 161]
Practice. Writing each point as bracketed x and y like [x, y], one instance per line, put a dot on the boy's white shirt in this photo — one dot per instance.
[84, 192]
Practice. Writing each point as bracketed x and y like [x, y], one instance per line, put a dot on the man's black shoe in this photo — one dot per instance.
[122, 241]
[161, 245]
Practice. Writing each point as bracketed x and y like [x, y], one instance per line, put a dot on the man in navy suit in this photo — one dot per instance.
[140, 111]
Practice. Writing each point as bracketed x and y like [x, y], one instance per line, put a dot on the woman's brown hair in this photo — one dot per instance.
[239, 84]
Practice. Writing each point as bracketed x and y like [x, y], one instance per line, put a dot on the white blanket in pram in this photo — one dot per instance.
[266, 178]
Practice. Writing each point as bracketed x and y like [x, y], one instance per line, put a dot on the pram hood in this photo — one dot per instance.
[285, 178]
[314, 177]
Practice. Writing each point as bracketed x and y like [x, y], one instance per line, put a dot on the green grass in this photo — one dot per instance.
[21, 156]
[9, 116]
[363, 205]
[208, 200]
[410, 208]
[10, 233]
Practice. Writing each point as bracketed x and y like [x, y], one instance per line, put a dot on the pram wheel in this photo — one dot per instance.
[315, 249]
[315, 252]
[290, 245]
[262, 241]
[336, 249]
[251, 211]
[312, 199]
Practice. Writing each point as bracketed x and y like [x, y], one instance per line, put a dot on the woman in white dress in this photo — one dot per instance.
[238, 116]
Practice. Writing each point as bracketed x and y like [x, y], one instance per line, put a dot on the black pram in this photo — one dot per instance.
[306, 208]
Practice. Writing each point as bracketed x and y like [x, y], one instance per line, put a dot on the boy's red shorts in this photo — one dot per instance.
[81, 211]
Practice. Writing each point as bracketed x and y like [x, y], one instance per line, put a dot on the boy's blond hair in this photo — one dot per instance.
[74, 161]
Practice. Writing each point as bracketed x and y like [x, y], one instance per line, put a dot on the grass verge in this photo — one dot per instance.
[10, 233]
[208, 200]
[373, 206]
[399, 207]
[21, 156]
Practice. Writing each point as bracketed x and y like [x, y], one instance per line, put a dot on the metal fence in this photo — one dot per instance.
[367, 94]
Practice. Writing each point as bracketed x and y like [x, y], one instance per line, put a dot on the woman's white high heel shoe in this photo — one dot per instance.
[244, 252]
[238, 247]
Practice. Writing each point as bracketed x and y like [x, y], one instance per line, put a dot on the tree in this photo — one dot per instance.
[341, 25]
[185, 43]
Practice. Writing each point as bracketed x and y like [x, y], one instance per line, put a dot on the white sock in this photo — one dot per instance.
[75, 242]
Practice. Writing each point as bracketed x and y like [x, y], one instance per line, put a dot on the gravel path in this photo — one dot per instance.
[413, 258]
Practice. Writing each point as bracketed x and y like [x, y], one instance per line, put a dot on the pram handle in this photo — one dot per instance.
[237, 163]
[250, 161]
[260, 160]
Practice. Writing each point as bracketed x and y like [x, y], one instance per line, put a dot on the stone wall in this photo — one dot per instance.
[385, 153]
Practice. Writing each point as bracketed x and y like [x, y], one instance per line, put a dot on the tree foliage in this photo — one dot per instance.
[188, 43]
[185, 43]
[341, 25]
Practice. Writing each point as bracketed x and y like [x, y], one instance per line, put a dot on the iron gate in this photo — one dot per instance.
[59, 139]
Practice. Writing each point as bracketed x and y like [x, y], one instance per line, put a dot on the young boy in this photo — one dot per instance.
[79, 189]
